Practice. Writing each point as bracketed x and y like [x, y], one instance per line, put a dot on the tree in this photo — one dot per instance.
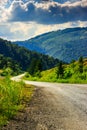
[38, 68]
[35, 67]
[31, 69]
[60, 70]
[80, 63]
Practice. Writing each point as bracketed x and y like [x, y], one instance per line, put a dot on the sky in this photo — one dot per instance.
[24, 19]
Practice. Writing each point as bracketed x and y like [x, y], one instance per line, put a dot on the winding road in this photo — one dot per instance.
[58, 106]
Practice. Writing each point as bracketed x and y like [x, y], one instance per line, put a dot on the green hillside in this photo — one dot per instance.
[75, 72]
[65, 45]
[24, 57]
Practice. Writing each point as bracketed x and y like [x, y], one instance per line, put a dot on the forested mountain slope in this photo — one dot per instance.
[24, 56]
[65, 44]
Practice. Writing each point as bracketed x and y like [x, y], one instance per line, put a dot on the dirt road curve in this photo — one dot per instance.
[54, 107]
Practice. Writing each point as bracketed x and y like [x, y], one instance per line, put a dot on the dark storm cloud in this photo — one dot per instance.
[48, 12]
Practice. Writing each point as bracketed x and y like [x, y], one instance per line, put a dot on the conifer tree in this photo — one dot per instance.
[60, 70]
[80, 65]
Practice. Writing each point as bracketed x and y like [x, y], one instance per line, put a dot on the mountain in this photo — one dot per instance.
[24, 57]
[66, 45]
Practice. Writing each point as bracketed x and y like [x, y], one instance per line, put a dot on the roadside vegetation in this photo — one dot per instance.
[9, 66]
[13, 97]
[75, 72]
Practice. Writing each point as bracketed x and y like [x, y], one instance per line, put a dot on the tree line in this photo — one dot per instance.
[24, 58]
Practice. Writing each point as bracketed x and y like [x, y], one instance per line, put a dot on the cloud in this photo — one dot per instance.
[17, 31]
[22, 30]
[24, 19]
[3, 2]
[47, 12]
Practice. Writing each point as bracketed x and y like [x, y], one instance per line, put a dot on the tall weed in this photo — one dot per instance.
[11, 97]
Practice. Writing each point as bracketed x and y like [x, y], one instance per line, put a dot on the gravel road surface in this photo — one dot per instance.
[53, 107]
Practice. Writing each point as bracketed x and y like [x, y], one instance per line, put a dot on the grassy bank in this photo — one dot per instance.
[51, 76]
[75, 72]
[13, 97]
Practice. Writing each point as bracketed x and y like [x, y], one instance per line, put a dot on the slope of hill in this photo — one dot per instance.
[65, 44]
[75, 72]
[24, 57]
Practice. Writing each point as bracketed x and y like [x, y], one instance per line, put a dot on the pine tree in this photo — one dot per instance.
[60, 70]
[35, 67]
[38, 68]
[32, 66]
[80, 64]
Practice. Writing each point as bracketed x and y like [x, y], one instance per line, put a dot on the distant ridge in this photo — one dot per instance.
[66, 45]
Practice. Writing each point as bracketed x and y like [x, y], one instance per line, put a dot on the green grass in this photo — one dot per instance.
[13, 97]
[48, 75]
[51, 76]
